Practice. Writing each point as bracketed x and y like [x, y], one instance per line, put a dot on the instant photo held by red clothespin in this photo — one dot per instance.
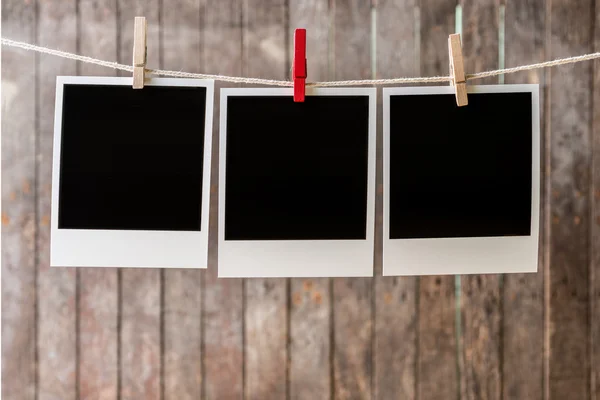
[457, 69]
[139, 52]
[299, 67]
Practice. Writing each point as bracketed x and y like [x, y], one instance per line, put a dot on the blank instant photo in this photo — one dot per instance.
[297, 183]
[461, 184]
[131, 173]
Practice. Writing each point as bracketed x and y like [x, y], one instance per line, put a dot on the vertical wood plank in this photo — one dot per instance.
[57, 299]
[98, 287]
[223, 298]
[140, 349]
[480, 37]
[98, 336]
[396, 317]
[140, 291]
[315, 17]
[352, 297]
[182, 334]
[523, 294]
[570, 121]
[18, 204]
[595, 223]
[182, 49]
[481, 302]
[437, 374]
[266, 317]
[437, 22]
[310, 312]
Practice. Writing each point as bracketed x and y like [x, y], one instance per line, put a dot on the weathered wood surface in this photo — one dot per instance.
[19, 116]
[352, 297]
[182, 47]
[56, 287]
[266, 314]
[570, 121]
[310, 299]
[106, 333]
[437, 351]
[223, 312]
[140, 288]
[395, 298]
[523, 294]
[481, 304]
[98, 306]
[595, 223]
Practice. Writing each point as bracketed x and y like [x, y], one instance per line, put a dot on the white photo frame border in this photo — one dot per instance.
[298, 258]
[462, 255]
[130, 248]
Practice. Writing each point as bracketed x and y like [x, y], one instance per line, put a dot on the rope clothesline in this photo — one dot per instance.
[273, 82]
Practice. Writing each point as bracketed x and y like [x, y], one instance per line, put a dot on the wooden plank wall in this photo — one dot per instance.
[438, 351]
[173, 334]
[310, 328]
[223, 300]
[181, 318]
[523, 294]
[98, 307]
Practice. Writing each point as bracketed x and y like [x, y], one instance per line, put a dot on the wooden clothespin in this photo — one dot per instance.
[457, 69]
[139, 52]
[299, 66]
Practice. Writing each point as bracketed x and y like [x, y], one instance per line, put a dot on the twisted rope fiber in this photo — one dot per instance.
[272, 82]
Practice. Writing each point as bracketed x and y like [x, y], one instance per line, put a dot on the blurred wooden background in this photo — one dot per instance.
[179, 334]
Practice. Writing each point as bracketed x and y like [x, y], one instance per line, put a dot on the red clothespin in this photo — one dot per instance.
[299, 67]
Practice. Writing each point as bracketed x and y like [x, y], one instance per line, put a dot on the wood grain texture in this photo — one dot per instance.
[437, 302]
[266, 339]
[523, 294]
[310, 309]
[98, 287]
[570, 121]
[18, 205]
[310, 369]
[204, 349]
[140, 291]
[351, 53]
[140, 362]
[457, 69]
[352, 297]
[395, 347]
[595, 223]
[97, 32]
[315, 17]
[481, 320]
[396, 317]
[57, 298]
[437, 22]
[182, 332]
[127, 11]
[139, 52]
[480, 37]
[266, 315]
[181, 49]
[437, 371]
[223, 315]
[98, 335]
[481, 308]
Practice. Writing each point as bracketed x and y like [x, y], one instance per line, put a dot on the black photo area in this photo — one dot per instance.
[460, 171]
[131, 159]
[296, 171]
